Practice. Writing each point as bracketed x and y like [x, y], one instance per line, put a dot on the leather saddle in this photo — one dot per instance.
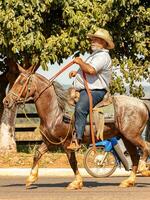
[100, 116]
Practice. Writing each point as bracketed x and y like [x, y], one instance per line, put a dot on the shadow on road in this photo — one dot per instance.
[88, 184]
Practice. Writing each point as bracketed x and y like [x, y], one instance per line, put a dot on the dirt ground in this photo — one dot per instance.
[49, 160]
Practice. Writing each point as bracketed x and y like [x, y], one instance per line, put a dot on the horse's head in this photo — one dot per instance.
[22, 88]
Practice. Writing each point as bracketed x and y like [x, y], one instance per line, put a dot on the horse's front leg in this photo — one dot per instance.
[34, 171]
[78, 182]
[132, 150]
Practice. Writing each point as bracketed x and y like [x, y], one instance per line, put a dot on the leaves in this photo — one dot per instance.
[50, 30]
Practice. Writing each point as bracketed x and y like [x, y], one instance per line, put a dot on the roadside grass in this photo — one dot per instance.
[51, 159]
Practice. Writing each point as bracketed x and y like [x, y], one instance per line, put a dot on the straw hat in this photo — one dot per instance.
[103, 34]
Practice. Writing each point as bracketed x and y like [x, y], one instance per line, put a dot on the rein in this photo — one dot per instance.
[53, 78]
[90, 99]
[50, 83]
[89, 95]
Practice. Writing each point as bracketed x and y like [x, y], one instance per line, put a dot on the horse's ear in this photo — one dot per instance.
[32, 69]
[21, 69]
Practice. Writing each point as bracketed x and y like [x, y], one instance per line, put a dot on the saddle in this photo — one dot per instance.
[100, 114]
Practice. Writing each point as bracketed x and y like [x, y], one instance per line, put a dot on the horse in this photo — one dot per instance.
[131, 117]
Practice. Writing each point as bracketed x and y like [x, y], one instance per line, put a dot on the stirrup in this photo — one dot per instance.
[74, 145]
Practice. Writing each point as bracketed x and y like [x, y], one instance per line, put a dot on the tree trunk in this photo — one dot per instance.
[7, 129]
[3, 86]
[7, 116]
[7, 142]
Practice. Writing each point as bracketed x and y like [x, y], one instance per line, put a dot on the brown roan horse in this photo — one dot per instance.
[131, 117]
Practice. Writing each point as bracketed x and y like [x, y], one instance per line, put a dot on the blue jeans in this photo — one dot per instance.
[82, 109]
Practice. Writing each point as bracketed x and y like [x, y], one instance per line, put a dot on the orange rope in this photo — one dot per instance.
[90, 98]
[62, 70]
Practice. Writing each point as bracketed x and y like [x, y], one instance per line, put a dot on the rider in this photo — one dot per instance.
[98, 70]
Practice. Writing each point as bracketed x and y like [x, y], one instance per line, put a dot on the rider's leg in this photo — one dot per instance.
[82, 111]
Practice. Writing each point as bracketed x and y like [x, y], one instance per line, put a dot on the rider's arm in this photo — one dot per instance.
[87, 68]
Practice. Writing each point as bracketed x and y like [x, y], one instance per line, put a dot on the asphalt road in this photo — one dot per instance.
[48, 188]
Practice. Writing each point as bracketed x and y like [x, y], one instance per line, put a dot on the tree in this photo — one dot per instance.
[43, 31]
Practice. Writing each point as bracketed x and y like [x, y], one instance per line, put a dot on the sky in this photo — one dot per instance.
[64, 79]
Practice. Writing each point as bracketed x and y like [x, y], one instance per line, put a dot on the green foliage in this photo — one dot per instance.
[50, 30]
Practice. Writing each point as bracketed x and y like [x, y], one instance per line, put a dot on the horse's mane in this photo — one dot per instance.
[62, 95]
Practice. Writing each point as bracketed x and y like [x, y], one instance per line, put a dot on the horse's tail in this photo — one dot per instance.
[147, 131]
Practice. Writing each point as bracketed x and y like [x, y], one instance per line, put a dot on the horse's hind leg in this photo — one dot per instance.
[145, 147]
[34, 171]
[132, 150]
[136, 140]
[78, 182]
[142, 165]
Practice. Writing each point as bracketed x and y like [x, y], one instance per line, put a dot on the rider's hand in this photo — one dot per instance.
[78, 60]
[72, 74]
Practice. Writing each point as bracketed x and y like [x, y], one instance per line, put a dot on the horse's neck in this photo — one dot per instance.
[47, 104]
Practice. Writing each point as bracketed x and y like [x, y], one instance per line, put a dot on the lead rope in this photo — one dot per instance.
[91, 107]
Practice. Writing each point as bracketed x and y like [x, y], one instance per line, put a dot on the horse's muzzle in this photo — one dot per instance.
[8, 102]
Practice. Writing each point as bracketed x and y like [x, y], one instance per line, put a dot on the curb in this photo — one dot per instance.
[54, 172]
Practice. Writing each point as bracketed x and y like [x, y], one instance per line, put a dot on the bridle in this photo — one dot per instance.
[25, 85]
[29, 77]
[22, 101]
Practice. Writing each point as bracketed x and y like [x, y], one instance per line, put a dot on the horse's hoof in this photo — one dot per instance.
[73, 186]
[127, 184]
[28, 185]
[145, 173]
[30, 181]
